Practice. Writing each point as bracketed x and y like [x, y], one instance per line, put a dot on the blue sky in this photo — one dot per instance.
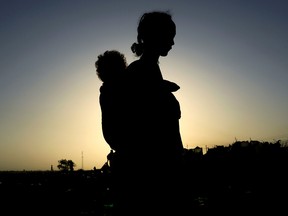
[229, 58]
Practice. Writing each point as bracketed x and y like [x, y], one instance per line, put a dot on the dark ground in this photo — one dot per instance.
[53, 193]
[212, 188]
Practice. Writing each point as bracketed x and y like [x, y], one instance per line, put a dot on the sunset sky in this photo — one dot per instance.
[230, 59]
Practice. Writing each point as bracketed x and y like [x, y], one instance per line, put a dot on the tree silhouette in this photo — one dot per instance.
[66, 165]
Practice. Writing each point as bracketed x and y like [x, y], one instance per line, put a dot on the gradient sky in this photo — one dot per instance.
[230, 59]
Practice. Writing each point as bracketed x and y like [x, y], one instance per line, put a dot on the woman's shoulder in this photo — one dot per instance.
[135, 65]
[134, 70]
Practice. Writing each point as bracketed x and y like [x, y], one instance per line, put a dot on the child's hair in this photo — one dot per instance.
[110, 64]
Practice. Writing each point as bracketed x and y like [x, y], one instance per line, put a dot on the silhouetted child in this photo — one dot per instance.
[110, 66]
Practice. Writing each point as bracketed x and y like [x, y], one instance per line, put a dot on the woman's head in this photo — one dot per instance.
[110, 64]
[156, 32]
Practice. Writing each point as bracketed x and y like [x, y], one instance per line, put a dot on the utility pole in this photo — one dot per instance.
[82, 160]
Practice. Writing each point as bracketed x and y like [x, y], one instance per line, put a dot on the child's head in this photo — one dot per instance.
[110, 64]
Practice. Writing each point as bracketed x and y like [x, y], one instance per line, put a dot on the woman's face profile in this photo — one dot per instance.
[159, 38]
[165, 43]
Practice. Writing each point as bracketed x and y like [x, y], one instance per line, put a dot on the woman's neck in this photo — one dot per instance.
[150, 57]
[151, 61]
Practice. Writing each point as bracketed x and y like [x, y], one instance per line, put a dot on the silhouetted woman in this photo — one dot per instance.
[149, 160]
